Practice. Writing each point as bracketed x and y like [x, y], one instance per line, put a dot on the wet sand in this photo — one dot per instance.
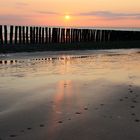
[94, 97]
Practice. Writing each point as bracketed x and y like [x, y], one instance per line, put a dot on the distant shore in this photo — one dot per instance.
[70, 46]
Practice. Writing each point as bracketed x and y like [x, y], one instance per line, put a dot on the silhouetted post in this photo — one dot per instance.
[1, 35]
[107, 35]
[11, 34]
[58, 35]
[54, 35]
[46, 32]
[97, 35]
[27, 37]
[16, 32]
[5, 34]
[31, 35]
[100, 35]
[87, 35]
[50, 36]
[92, 35]
[20, 35]
[71, 35]
[23, 34]
[83, 35]
[67, 35]
[42, 35]
[36, 35]
[62, 35]
[76, 35]
[80, 35]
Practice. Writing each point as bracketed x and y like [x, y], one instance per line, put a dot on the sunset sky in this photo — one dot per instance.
[95, 13]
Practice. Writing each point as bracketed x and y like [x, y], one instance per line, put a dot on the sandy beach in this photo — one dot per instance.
[75, 95]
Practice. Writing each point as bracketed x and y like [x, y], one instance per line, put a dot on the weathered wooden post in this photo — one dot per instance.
[54, 35]
[1, 35]
[42, 35]
[36, 34]
[58, 35]
[20, 40]
[31, 35]
[92, 35]
[46, 33]
[5, 34]
[62, 35]
[67, 35]
[109, 36]
[71, 35]
[11, 34]
[16, 32]
[27, 37]
[50, 36]
[76, 35]
[23, 34]
[80, 37]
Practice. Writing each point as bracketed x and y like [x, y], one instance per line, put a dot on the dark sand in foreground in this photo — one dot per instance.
[93, 98]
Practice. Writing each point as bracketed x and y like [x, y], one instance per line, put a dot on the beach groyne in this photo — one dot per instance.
[28, 36]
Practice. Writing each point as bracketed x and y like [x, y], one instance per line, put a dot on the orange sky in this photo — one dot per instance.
[95, 13]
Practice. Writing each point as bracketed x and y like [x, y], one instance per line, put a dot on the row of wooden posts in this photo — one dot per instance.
[43, 35]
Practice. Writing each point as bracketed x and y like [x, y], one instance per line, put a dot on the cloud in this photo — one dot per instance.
[9, 19]
[110, 15]
[21, 4]
[47, 13]
[12, 19]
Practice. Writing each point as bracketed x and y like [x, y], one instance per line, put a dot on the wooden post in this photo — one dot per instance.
[1, 35]
[36, 35]
[23, 34]
[67, 35]
[31, 35]
[71, 35]
[42, 35]
[5, 34]
[46, 33]
[16, 32]
[58, 35]
[27, 37]
[20, 41]
[62, 35]
[50, 36]
[81, 35]
[54, 35]
[100, 35]
[80, 38]
[11, 34]
[92, 35]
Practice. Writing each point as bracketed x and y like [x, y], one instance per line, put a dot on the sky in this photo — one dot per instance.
[86, 13]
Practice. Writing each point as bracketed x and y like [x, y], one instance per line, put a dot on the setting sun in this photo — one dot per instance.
[67, 17]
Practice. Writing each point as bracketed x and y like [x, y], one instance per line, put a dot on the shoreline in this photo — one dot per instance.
[13, 48]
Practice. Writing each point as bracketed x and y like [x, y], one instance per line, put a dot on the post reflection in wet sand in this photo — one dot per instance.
[61, 105]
